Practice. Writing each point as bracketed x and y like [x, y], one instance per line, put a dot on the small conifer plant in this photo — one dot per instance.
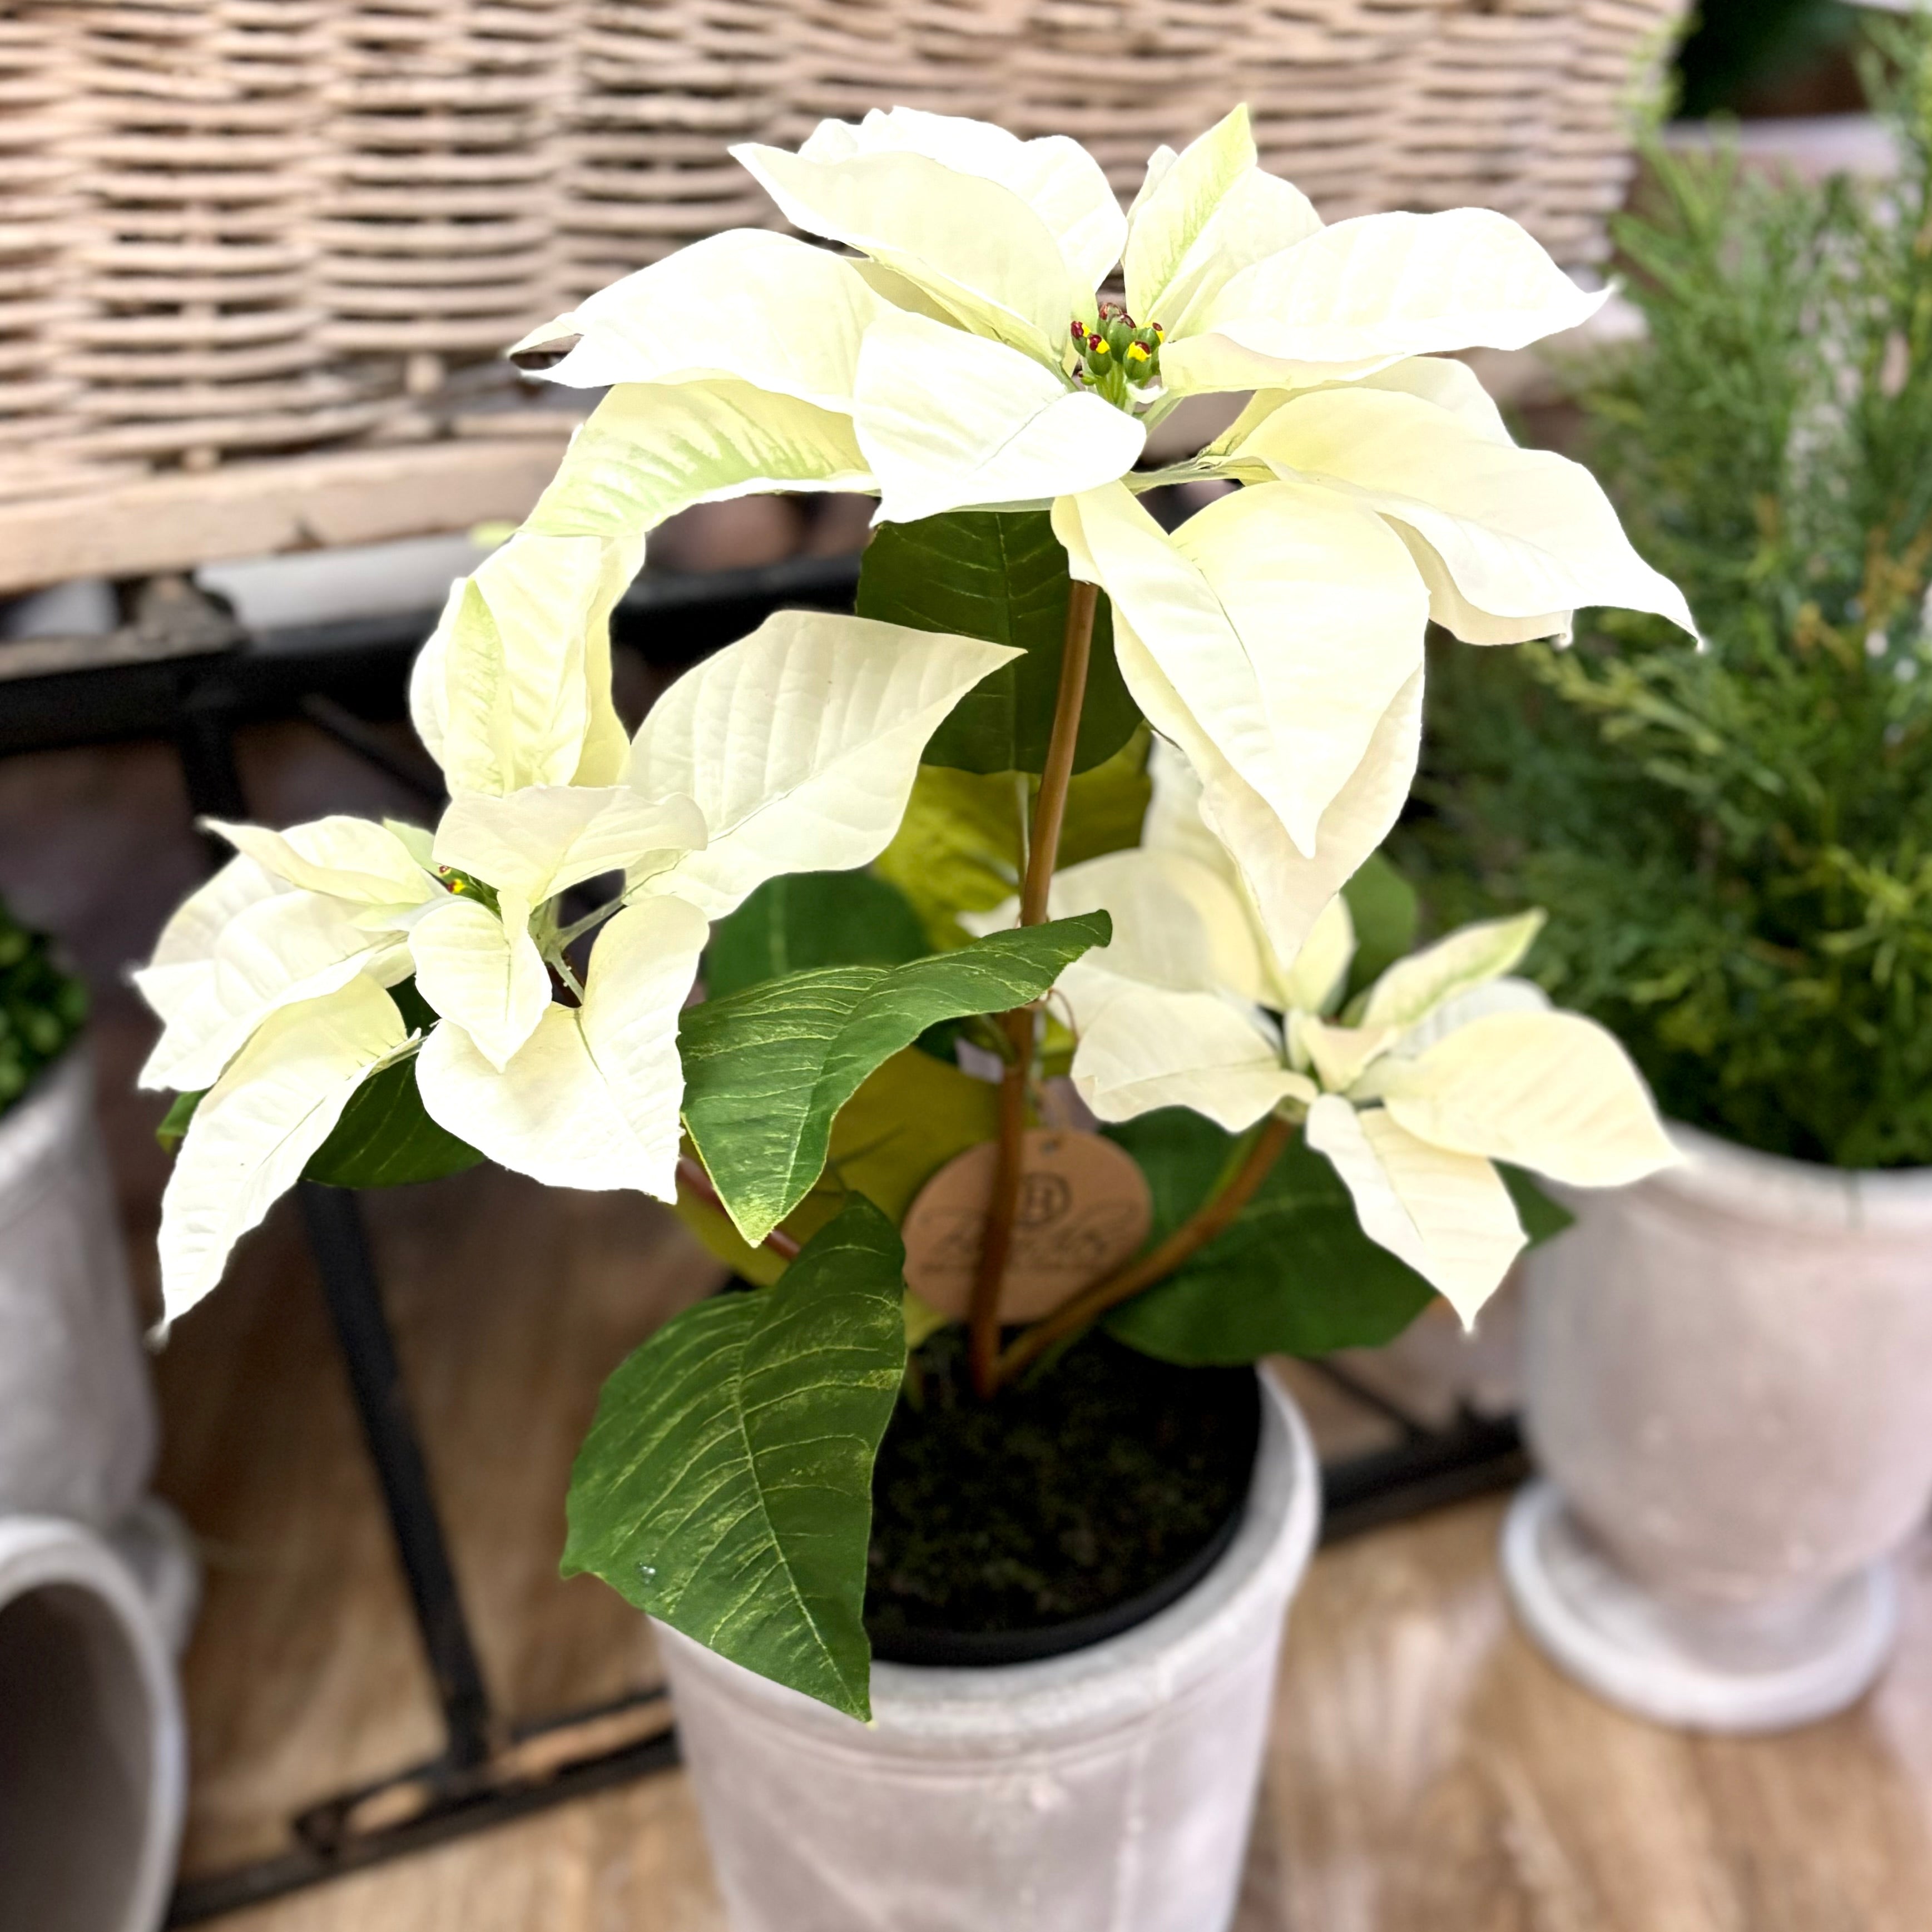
[1734, 842]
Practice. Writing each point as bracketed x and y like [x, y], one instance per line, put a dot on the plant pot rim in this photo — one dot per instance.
[1726, 1177]
[1107, 1685]
[42, 1553]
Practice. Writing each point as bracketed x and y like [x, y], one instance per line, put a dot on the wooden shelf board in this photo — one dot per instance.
[178, 521]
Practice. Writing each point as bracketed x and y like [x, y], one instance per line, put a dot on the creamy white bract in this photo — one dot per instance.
[793, 750]
[1277, 636]
[1442, 1067]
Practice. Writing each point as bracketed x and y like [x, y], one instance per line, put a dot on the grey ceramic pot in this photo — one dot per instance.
[1112, 1787]
[1728, 1381]
[93, 1765]
[76, 1412]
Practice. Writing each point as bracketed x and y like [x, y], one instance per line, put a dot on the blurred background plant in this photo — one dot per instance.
[41, 1007]
[1770, 57]
[1735, 843]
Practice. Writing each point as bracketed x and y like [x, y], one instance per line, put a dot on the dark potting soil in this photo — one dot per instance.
[1073, 1494]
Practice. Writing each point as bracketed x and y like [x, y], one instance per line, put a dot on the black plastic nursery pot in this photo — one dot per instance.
[1076, 1504]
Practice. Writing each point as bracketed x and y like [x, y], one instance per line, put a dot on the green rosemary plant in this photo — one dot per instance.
[1734, 843]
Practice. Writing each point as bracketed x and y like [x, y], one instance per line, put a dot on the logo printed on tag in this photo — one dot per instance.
[1083, 1210]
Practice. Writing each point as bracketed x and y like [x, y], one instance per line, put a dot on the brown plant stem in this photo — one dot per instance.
[1049, 814]
[690, 1174]
[1049, 808]
[1193, 1233]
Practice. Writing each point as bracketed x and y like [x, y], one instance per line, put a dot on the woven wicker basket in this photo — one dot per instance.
[234, 227]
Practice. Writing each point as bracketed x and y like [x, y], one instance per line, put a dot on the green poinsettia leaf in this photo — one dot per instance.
[961, 846]
[765, 1071]
[726, 1484]
[1382, 903]
[1542, 1218]
[958, 848]
[800, 920]
[385, 1137]
[1293, 1275]
[1000, 575]
[175, 1122]
[907, 1120]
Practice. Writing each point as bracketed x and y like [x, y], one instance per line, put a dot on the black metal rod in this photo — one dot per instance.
[1477, 1455]
[407, 767]
[205, 742]
[197, 1899]
[341, 1247]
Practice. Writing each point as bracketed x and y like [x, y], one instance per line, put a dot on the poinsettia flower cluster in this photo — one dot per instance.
[1443, 1066]
[793, 750]
[958, 356]
[1276, 637]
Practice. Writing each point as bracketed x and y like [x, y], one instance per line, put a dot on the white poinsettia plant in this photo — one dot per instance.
[361, 1003]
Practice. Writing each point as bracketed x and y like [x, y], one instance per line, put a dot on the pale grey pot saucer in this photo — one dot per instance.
[1724, 1670]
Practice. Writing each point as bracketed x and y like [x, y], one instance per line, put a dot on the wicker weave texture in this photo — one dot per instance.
[231, 227]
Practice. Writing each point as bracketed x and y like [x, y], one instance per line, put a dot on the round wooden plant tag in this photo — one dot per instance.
[1083, 1210]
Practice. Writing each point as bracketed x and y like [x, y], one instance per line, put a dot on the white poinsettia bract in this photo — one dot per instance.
[1445, 1065]
[790, 751]
[960, 357]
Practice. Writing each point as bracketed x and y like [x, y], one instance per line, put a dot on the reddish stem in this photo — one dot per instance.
[1049, 814]
[691, 1175]
[1192, 1235]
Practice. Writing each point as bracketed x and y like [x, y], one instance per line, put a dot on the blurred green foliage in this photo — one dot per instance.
[1737, 51]
[1735, 842]
[41, 1007]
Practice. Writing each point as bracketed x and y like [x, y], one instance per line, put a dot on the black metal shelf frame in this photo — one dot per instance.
[184, 671]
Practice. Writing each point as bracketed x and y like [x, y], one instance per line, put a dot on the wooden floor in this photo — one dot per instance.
[1428, 1773]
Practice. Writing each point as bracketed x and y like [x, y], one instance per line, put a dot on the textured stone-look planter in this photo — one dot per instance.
[76, 1413]
[92, 1753]
[1729, 1371]
[1112, 1787]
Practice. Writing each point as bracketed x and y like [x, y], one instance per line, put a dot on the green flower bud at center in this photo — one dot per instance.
[1116, 357]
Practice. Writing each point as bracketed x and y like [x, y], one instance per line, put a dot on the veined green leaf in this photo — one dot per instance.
[1000, 575]
[903, 1124]
[800, 920]
[1107, 805]
[1294, 1274]
[765, 1070]
[1542, 1219]
[726, 1485]
[386, 1139]
[957, 848]
[174, 1127]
